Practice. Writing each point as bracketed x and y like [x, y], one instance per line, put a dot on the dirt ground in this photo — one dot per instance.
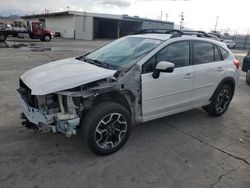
[189, 149]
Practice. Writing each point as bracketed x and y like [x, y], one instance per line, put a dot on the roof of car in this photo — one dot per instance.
[173, 33]
[165, 37]
[153, 36]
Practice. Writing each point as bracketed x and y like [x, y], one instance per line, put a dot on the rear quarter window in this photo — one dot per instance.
[224, 53]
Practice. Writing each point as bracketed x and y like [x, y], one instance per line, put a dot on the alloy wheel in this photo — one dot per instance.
[222, 101]
[110, 131]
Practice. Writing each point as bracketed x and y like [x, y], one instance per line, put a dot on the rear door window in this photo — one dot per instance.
[217, 56]
[203, 52]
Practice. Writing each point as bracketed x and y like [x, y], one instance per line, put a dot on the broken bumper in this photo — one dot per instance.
[34, 115]
[60, 122]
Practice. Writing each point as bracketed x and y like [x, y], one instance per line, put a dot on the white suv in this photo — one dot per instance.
[131, 80]
[230, 43]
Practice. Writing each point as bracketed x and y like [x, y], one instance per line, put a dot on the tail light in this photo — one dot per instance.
[236, 63]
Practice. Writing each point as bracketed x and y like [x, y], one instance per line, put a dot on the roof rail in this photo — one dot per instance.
[195, 32]
[177, 33]
[200, 34]
[174, 32]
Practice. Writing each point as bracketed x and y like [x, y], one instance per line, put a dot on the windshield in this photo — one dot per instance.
[122, 53]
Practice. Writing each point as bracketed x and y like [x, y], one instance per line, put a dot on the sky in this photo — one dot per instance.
[198, 14]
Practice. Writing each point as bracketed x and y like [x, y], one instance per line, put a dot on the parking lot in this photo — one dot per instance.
[190, 149]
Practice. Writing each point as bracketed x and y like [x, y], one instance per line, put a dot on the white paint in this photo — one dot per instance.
[62, 75]
[84, 27]
[153, 36]
[163, 65]
[186, 88]
[34, 115]
[63, 24]
[169, 92]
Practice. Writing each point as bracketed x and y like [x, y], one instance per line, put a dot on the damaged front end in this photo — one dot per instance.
[62, 111]
[47, 112]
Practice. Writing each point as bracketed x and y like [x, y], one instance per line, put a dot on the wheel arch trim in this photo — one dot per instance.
[229, 81]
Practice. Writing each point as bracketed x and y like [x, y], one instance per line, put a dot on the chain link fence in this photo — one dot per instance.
[241, 37]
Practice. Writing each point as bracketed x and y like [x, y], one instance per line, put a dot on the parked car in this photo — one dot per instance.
[230, 43]
[5, 26]
[131, 80]
[216, 33]
[246, 67]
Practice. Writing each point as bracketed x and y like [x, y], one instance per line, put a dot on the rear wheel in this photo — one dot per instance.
[31, 36]
[106, 128]
[220, 101]
[3, 37]
[248, 77]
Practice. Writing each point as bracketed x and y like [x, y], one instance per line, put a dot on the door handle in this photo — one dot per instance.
[220, 69]
[188, 76]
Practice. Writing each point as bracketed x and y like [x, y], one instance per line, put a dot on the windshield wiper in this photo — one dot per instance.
[96, 62]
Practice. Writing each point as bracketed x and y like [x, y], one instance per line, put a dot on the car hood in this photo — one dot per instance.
[63, 74]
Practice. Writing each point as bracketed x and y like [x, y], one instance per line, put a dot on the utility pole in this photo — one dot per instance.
[216, 23]
[182, 20]
[161, 15]
[166, 16]
[28, 9]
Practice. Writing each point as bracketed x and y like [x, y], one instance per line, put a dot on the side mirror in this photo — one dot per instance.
[162, 66]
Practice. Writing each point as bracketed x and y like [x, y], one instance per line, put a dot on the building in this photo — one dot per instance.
[90, 26]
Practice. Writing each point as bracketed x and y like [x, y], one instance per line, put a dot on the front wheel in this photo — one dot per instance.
[106, 128]
[220, 101]
[46, 38]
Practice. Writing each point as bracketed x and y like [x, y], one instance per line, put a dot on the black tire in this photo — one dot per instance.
[15, 35]
[92, 126]
[31, 36]
[220, 101]
[46, 38]
[3, 37]
[248, 78]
